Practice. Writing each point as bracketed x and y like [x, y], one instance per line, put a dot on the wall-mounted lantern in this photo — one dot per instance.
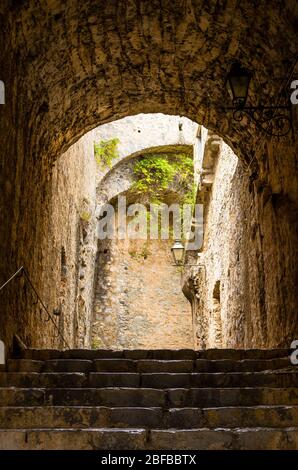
[178, 252]
[237, 84]
[273, 120]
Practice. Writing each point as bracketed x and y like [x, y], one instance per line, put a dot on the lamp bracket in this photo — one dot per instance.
[275, 121]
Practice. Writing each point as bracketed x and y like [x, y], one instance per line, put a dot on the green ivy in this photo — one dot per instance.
[155, 173]
[105, 152]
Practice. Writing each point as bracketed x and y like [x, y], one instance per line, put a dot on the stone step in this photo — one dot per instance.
[280, 379]
[43, 380]
[50, 365]
[224, 380]
[149, 418]
[147, 365]
[68, 365]
[224, 439]
[161, 354]
[129, 439]
[149, 397]
[156, 399]
[240, 354]
[243, 365]
[91, 354]
[73, 439]
[126, 365]
[24, 365]
[232, 417]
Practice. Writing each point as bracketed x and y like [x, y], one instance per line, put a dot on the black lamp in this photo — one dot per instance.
[237, 84]
[273, 120]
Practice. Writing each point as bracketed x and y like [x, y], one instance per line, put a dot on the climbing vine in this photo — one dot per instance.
[155, 173]
[105, 152]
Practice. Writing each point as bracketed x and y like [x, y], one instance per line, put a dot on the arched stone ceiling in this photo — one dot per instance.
[72, 65]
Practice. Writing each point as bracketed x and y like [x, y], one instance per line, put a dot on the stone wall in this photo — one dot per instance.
[219, 281]
[138, 298]
[235, 287]
[71, 241]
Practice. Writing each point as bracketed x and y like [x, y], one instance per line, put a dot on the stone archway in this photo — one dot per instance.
[69, 67]
[138, 299]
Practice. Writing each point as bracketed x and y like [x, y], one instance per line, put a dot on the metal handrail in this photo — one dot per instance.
[22, 271]
[11, 278]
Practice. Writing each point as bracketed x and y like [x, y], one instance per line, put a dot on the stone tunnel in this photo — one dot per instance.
[70, 67]
[67, 70]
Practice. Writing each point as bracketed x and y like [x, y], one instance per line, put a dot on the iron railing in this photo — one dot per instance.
[23, 272]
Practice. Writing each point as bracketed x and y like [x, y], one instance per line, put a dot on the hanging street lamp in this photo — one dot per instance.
[178, 253]
[237, 84]
[273, 120]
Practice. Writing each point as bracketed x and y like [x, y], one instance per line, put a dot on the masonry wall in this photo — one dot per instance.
[138, 298]
[219, 282]
[235, 289]
[71, 241]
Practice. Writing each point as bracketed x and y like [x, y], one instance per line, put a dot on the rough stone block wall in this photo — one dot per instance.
[245, 238]
[71, 241]
[138, 298]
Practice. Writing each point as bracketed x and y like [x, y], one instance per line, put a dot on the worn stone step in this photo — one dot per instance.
[181, 380]
[243, 365]
[79, 417]
[68, 365]
[129, 365]
[248, 396]
[73, 439]
[224, 439]
[236, 379]
[90, 354]
[40, 354]
[280, 379]
[82, 354]
[24, 365]
[160, 354]
[165, 366]
[232, 417]
[119, 379]
[83, 396]
[149, 397]
[128, 439]
[84, 417]
[50, 365]
[22, 396]
[115, 365]
[146, 365]
[239, 354]
[41, 380]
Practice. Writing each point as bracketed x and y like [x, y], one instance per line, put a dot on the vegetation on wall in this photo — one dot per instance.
[157, 173]
[85, 216]
[144, 253]
[105, 152]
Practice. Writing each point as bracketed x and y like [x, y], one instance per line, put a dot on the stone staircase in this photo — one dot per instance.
[159, 399]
